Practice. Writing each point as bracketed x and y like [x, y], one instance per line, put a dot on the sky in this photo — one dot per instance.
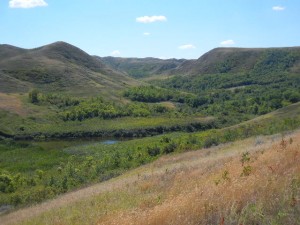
[150, 28]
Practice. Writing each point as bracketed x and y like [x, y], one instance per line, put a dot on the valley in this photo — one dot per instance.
[162, 119]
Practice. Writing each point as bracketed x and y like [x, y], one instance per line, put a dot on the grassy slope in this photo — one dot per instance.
[156, 188]
[236, 60]
[59, 67]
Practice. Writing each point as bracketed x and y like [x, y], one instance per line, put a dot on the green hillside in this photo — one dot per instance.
[142, 68]
[241, 60]
[240, 82]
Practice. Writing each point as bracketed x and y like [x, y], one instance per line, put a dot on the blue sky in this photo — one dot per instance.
[151, 28]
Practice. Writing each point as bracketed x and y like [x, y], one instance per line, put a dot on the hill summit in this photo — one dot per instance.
[58, 67]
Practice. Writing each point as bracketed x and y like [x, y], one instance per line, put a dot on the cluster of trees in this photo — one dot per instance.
[37, 97]
[276, 61]
[107, 110]
[38, 185]
[155, 94]
[80, 109]
[232, 105]
[150, 94]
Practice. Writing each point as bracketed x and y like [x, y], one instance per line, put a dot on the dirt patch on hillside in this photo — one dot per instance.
[12, 103]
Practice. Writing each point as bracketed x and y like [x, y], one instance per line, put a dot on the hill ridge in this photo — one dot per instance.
[58, 67]
[236, 60]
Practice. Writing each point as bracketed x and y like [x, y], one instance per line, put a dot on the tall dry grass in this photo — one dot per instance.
[223, 191]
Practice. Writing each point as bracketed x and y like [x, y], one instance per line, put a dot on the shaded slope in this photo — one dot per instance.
[143, 67]
[58, 67]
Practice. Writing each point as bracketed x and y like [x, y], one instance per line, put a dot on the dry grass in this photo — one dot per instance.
[169, 105]
[201, 187]
[217, 193]
[12, 103]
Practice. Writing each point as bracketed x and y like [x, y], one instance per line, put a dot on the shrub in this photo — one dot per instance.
[210, 141]
[246, 171]
[245, 158]
[6, 183]
[33, 96]
[153, 151]
[170, 148]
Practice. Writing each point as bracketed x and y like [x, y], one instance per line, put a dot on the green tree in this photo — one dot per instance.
[33, 96]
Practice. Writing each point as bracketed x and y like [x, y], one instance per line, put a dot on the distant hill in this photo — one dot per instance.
[58, 67]
[66, 68]
[237, 60]
[143, 67]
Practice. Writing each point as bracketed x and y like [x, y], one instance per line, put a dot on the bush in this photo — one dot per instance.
[6, 183]
[153, 151]
[170, 148]
[210, 141]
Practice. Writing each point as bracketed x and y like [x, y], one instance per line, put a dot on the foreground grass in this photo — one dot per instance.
[220, 185]
[222, 192]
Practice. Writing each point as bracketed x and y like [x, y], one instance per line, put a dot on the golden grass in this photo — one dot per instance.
[201, 187]
[193, 196]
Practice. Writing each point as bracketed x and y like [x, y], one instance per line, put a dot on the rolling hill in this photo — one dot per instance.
[66, 68]
[58, 67]
[239, 60]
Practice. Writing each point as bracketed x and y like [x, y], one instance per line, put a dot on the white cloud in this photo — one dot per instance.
[151, 19]
[115, 53]
[227, 43]
[278, 8]
[186, 47]
[26, 3]
[146, 33]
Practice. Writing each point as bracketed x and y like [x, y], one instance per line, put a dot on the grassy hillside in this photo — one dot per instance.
[142, 68]
[240, 60]
[58, 67]
[240, 83]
